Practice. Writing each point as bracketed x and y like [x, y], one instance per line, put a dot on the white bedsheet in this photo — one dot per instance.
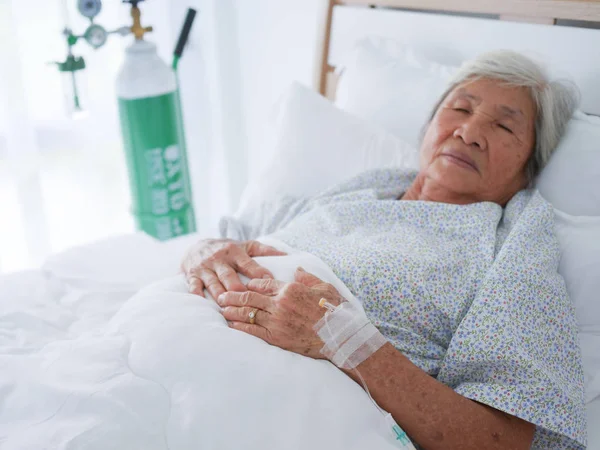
[86, 365]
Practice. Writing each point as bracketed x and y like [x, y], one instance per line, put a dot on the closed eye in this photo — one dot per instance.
[504, 127]
[463, 110]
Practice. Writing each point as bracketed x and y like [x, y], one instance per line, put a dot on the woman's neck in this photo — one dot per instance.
[426, 189]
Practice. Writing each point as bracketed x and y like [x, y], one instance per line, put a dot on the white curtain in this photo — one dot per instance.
[63, 181]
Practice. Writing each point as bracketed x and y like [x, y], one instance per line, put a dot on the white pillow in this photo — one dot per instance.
[571, 181]
[579, 240]
[392, 85]
[318, 146]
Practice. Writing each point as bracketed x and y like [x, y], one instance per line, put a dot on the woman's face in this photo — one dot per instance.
[478, 143]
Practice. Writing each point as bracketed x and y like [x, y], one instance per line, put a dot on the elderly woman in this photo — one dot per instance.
[472, 341]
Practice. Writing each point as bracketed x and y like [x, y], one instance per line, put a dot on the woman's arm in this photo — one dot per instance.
[431, 413]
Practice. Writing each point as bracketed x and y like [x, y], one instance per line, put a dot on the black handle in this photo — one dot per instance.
[134, 3]
[185, 32]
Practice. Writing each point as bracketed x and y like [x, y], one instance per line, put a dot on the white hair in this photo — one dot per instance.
[555, 101]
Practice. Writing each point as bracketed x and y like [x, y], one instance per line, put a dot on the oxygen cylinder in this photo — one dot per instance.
[152, 128]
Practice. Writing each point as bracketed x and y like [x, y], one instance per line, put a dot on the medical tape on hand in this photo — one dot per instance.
[348, 335]
[359, 347]
[341, 327]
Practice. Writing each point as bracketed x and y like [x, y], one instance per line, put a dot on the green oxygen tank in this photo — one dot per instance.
[152, 128]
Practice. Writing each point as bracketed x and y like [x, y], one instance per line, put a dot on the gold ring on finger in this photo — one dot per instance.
[252, 316]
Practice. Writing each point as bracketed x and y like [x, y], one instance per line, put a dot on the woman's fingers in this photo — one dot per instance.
[228, 277]
[247, 266]
[235, 314]
[265, 286]
[195, 285]
[286, 320]
[211, 282]
[248, 298]
[215, 265]
[255, 248]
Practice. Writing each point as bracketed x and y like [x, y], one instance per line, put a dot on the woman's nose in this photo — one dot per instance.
[471, 132]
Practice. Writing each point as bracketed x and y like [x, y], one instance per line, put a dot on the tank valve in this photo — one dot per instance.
[137, 29]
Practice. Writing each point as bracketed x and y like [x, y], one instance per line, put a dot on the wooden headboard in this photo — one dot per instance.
[534, 11]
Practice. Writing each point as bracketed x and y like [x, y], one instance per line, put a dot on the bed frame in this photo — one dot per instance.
[532, 11]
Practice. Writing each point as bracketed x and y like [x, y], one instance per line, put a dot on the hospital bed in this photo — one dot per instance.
[383, 62]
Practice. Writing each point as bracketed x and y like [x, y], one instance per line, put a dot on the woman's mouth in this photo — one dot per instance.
[460, 160]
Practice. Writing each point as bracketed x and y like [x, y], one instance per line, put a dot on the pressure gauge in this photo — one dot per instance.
[96, 36]
[89, 8]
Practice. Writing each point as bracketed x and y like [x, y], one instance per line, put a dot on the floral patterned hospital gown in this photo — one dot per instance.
[470, 293]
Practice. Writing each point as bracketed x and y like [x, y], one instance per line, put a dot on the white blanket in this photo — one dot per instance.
[161, 370]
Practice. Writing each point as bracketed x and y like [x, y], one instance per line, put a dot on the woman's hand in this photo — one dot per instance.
[285, 313]
[214, 264]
